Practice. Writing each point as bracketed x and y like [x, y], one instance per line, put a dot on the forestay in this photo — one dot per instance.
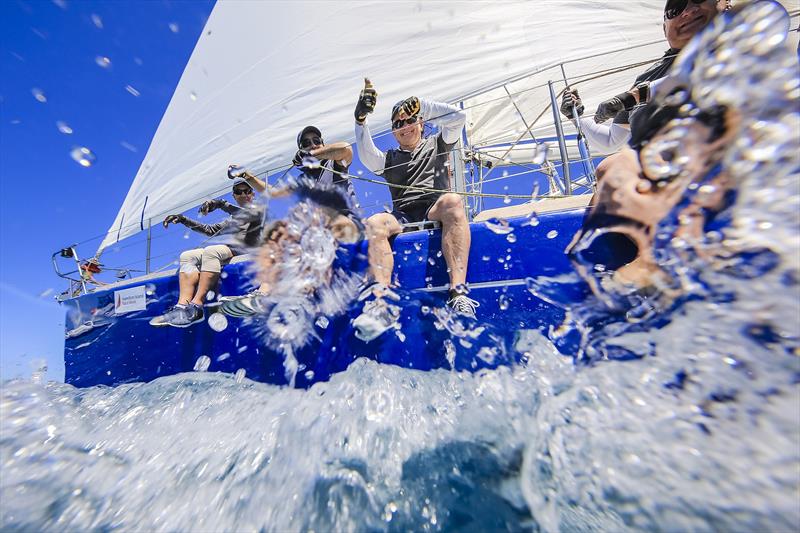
[262, 70]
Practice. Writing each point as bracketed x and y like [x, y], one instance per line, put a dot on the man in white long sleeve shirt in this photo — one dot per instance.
[420, 169]
[682, 20]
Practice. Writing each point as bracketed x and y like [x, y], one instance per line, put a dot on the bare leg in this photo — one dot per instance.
[208, 281]
[380, 228]
[188, 285]
[449, 210]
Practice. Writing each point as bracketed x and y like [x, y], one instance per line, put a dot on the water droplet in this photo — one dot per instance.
[431, 261]
[439, 253]
[506, 199]
[309, 375]
[39, 95]
[102, 61]
[97, 21]
[224, 356]
[193, 96]
[533, 219]
[311, 163]
[128, 146]
[239, 376]
[502, 302]
[174, 28]
[218, 322]
[322, 322]
[425, 310]
[131, 90]
[418, 246]
[202, 363]
[83, 156]
[63, 127]
[511, 237]
[186, 234]
[485, 258]
[552, 234]
[499, 226]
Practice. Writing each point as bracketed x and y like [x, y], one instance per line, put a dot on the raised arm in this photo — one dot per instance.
[449, 118]
[369, 154]
[606, 138]
[205, 229]
[340, 151]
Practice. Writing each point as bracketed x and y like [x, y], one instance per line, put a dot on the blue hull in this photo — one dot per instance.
[125, 348]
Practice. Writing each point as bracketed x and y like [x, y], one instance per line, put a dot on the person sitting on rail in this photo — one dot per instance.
[200, 268]
[682, 20]
[419, 179]
[326, 166]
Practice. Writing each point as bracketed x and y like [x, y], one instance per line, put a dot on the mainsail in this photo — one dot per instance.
[263, 70]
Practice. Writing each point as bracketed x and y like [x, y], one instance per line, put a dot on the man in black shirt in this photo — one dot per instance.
[334, 159]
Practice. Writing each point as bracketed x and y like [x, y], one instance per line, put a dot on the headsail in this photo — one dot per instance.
[263, 70]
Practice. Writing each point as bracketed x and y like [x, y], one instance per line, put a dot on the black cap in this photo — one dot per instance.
[308, 129]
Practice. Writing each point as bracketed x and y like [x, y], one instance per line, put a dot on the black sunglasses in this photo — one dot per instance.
[242, 192]
[397, 124]
[308, 143]
[674, 9]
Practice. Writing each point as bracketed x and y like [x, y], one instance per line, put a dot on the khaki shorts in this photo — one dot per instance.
[208, 259]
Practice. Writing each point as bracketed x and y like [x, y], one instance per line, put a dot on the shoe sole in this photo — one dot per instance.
[192, 323]
[237, 310]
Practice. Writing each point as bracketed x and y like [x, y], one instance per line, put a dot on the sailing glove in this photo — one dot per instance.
[366, 102]
[609, 109]
[210, 206]
[411, 106]
[569, 101]
[299, 156]
[174, 219]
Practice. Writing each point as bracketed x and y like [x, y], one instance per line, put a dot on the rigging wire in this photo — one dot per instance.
[193, 202]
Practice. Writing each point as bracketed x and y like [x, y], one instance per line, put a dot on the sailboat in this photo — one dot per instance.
[245, 93]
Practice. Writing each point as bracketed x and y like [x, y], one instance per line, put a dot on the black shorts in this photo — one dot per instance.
[414, 212]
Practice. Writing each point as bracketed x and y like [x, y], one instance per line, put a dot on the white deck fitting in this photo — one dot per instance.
[547, 205]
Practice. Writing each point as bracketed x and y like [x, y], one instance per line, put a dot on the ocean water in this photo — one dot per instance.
[698, 432]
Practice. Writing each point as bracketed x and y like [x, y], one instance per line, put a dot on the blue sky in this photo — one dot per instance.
[97, 75]
[49, 200]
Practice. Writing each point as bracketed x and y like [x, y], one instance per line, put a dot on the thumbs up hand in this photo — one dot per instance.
[366, 102]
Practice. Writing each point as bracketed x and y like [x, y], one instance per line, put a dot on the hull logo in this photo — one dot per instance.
[128, 300]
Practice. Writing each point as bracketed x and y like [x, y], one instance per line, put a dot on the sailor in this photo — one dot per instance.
[682, 20]
[200, 268]
[334, 159]
[419, 178]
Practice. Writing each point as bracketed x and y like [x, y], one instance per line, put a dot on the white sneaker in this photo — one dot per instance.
[463, 305]
[378, 314]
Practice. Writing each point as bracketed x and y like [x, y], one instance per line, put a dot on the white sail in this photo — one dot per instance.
[262, 70]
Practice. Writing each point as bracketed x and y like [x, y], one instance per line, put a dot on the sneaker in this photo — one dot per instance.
[179, 316]
[377, 315]
[243, 306]
[463, 305]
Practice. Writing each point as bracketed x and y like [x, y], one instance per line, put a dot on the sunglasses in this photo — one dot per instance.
[674, 9]
[242, 192]
[397, 124]
[308, 143]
